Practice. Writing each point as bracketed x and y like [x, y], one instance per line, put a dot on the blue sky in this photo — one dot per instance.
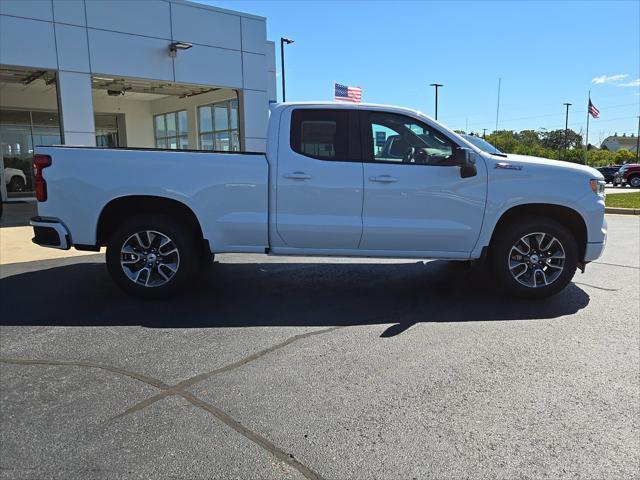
[546, 53]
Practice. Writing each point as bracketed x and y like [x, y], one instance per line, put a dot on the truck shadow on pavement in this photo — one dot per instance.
[276, 294]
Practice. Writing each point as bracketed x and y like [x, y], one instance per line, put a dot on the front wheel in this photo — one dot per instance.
[534, 258]
[635, 181]
[152, 256]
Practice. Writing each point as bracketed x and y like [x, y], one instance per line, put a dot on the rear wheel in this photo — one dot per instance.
[16, 184]
[535, 257]
[635, 181]
[152, 256]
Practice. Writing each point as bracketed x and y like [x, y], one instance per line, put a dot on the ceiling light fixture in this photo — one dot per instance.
[175, 46]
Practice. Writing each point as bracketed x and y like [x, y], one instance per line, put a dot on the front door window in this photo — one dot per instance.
[400, 139]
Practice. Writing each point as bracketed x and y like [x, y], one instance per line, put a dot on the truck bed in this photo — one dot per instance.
[228, 192]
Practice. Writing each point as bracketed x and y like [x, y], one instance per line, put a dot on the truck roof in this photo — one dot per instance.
[350, 106]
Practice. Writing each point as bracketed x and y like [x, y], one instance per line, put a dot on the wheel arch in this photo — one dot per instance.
[566, 216]
[122, 208]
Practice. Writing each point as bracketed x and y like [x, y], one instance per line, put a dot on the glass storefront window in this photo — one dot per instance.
[45, 119]
[171, 130]
[218, 126]
[20, 131]
[108, 130]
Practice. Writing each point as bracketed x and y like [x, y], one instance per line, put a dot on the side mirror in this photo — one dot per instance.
[463, 158]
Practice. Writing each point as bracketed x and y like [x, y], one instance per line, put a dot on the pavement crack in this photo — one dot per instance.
[180, 387]
[595, 286]
[617, 265]
[256, 438]
[70, 363]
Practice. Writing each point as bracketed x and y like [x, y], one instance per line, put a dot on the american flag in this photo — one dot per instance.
[593, 110]
[348, 94]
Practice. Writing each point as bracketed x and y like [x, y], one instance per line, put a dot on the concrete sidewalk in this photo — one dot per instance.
[16, 247]
[16, 234]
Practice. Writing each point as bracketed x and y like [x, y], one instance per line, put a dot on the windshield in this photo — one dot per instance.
[481, 144]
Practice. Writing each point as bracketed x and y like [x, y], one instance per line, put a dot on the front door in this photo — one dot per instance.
[414, 200]
[319, 180]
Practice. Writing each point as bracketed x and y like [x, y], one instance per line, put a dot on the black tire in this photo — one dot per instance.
[500, 257]
[183, 238]
[634, 181]
[16, 184]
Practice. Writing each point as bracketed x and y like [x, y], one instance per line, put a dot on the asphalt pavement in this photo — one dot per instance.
[327, 368]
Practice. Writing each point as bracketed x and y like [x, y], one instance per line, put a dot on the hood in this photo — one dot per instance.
[554, 164]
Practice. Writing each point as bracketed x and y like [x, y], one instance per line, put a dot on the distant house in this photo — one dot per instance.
[615, 142]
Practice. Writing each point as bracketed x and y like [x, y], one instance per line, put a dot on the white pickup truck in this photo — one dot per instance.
[336, 180]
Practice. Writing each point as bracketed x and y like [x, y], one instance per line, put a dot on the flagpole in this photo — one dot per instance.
[498, 107]
[586, 143]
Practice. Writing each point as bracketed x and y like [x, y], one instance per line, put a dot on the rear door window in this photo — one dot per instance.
[324, 134]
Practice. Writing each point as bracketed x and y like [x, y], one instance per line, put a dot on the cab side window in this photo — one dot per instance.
[323, 134]
[400, 139]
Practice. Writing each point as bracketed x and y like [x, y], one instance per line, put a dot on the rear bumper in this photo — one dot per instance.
[50, 232]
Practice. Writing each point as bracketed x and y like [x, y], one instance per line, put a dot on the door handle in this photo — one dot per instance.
[383, 179]
[297, 176]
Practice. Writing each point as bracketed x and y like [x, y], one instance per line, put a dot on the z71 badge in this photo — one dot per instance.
[508, 166]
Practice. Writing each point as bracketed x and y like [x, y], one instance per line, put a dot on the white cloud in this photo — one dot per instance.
[608, 79]
[632, 83]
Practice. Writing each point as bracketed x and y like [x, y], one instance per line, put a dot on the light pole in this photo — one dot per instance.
[566, 130]
[638, 141]
[288, 41]
[436, 85]
[484, 133]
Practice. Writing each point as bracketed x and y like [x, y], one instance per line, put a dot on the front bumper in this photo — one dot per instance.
[594, 251]
[50, 232]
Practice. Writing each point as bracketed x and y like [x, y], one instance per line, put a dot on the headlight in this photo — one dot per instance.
[597, 186]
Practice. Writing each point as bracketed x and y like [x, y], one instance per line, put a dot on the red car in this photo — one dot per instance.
[628, 174]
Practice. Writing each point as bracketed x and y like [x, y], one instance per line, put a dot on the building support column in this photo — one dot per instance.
[75, 104]
[255, 116]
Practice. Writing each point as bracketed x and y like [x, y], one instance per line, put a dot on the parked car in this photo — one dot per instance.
[320, 190]
[609, 172]
[628, 174]
[14, 179]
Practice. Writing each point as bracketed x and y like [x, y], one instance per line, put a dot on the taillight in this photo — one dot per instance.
[40, 162]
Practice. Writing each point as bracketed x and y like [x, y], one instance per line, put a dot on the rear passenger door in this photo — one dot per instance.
[319, 179]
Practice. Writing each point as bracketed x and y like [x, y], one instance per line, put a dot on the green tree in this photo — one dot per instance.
[530, 138]
[554, 139]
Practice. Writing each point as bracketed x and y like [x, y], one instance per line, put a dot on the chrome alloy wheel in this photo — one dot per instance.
[149, 258]
[536, 260]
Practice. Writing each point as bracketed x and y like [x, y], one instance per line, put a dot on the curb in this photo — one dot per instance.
[622, 211]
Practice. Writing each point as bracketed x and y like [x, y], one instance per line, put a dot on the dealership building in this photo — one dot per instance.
[142, 73]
